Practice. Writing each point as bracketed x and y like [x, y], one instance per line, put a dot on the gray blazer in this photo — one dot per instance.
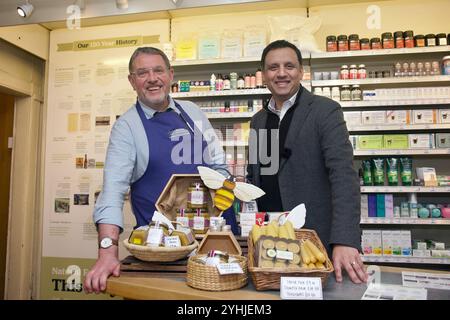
[319, 171]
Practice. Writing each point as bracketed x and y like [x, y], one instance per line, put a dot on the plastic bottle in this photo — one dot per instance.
[212, 83]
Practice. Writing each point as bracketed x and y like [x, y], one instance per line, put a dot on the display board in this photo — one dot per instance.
[88, 90]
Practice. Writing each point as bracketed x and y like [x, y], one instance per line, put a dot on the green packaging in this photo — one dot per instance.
[392, 171]
[378, 171]
[367, 173]
[406, 171]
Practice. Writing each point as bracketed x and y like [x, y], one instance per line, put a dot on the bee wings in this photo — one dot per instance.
[211, 178]
[247, 192]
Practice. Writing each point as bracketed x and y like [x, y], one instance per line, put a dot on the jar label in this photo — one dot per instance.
[199, 223]
[184, 222]
[197, 197]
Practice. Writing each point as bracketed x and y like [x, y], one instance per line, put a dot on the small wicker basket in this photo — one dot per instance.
[269, 278]
[160, 254]
[204, 277]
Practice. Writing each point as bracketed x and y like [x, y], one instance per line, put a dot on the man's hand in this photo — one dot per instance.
[106, 265]
[348, 258]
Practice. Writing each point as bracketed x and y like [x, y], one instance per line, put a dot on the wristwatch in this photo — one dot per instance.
[107, 242]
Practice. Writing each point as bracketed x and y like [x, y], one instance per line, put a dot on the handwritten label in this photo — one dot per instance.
[285, 255]
[301, 288]
[172, 242]
[229, 268]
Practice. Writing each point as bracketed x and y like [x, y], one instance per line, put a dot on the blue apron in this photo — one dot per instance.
[146, 190]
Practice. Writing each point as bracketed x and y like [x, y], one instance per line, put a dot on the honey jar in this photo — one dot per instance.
[201, 221]
[196, 196]
[185, 217]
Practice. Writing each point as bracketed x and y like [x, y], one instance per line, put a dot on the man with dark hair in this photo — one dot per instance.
[141, 156]
[315, 159]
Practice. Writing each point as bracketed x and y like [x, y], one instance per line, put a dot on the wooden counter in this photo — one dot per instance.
[174, 287]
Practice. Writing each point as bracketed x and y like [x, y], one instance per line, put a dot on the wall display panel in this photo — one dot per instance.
[88, 90]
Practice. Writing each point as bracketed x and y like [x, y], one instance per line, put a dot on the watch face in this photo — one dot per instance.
[106, 242]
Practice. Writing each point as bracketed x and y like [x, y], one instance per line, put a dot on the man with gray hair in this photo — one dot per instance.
[143, 153]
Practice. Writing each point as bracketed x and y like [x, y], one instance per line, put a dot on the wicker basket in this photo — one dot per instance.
[269, 278]
[160, 254]
[201, 276]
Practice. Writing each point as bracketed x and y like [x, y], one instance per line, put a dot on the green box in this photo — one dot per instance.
[395, 141]
[370, 142]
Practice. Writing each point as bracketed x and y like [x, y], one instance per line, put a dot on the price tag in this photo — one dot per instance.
[301, 288]
[199, 223]
[229, 268]
[173, 242]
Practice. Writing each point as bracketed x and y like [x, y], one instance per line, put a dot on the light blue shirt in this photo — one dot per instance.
[128, 155]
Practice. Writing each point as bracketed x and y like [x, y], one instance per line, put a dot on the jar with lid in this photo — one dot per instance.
[362, 73]
[196, 196]
[353, 72]
[365, 44]
[326, 92]
[412, 69]
[397, 69]
[346, 93]
[201, 221]
[332, 45]
[409, 38]
[427, 68]
[375, 43]
[435, 68]
[430, 40]
[185, 217]
[318, 91]
[399, 40]
[388, 40]
[356, 93]
[446, 65]
[344, 74]
[342, 42]
[335, 93]
[420, 69]
[419, 40]
[354, 42]
[405, 69]
[441, 39]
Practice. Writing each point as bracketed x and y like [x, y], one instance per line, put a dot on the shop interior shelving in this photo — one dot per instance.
[331, 61]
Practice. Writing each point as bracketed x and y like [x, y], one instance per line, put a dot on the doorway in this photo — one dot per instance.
[6, 131]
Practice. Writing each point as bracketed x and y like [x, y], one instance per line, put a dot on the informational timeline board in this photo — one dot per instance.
[88, 90]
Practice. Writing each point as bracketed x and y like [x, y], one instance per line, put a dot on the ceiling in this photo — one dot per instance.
[52, 13]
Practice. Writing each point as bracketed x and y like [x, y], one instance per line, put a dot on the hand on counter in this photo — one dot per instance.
[348, 259]
[107, 264]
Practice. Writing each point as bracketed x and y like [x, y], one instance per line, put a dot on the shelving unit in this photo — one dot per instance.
[378, 60]
[398, 259]
[406, 221]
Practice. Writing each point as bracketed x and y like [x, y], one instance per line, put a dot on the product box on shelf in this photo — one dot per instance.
[395, 141]
[352, 118]
[419, 253]
[369, 95]
[396, 241]
[427, 175]
[398, 116]
[444, 116]
[381, 209]
[426, 116]
[387, 240]
[421, 141]
[370, 142]
[371, 242]
[442, 140]
[353, 141]
[405, 240]
[364, 205]
[373, 117]
[389, 205]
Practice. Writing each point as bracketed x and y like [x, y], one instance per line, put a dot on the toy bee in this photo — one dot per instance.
[226, 189]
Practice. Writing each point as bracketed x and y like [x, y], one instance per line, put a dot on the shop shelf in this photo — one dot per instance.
[223, 93]
[420, 260]
[387, 103]
[391, 80]
[230, 115]
[406, 127]
[182, 63]
[425, 221]
[403, 189]
[401, 152]
[383, 52]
